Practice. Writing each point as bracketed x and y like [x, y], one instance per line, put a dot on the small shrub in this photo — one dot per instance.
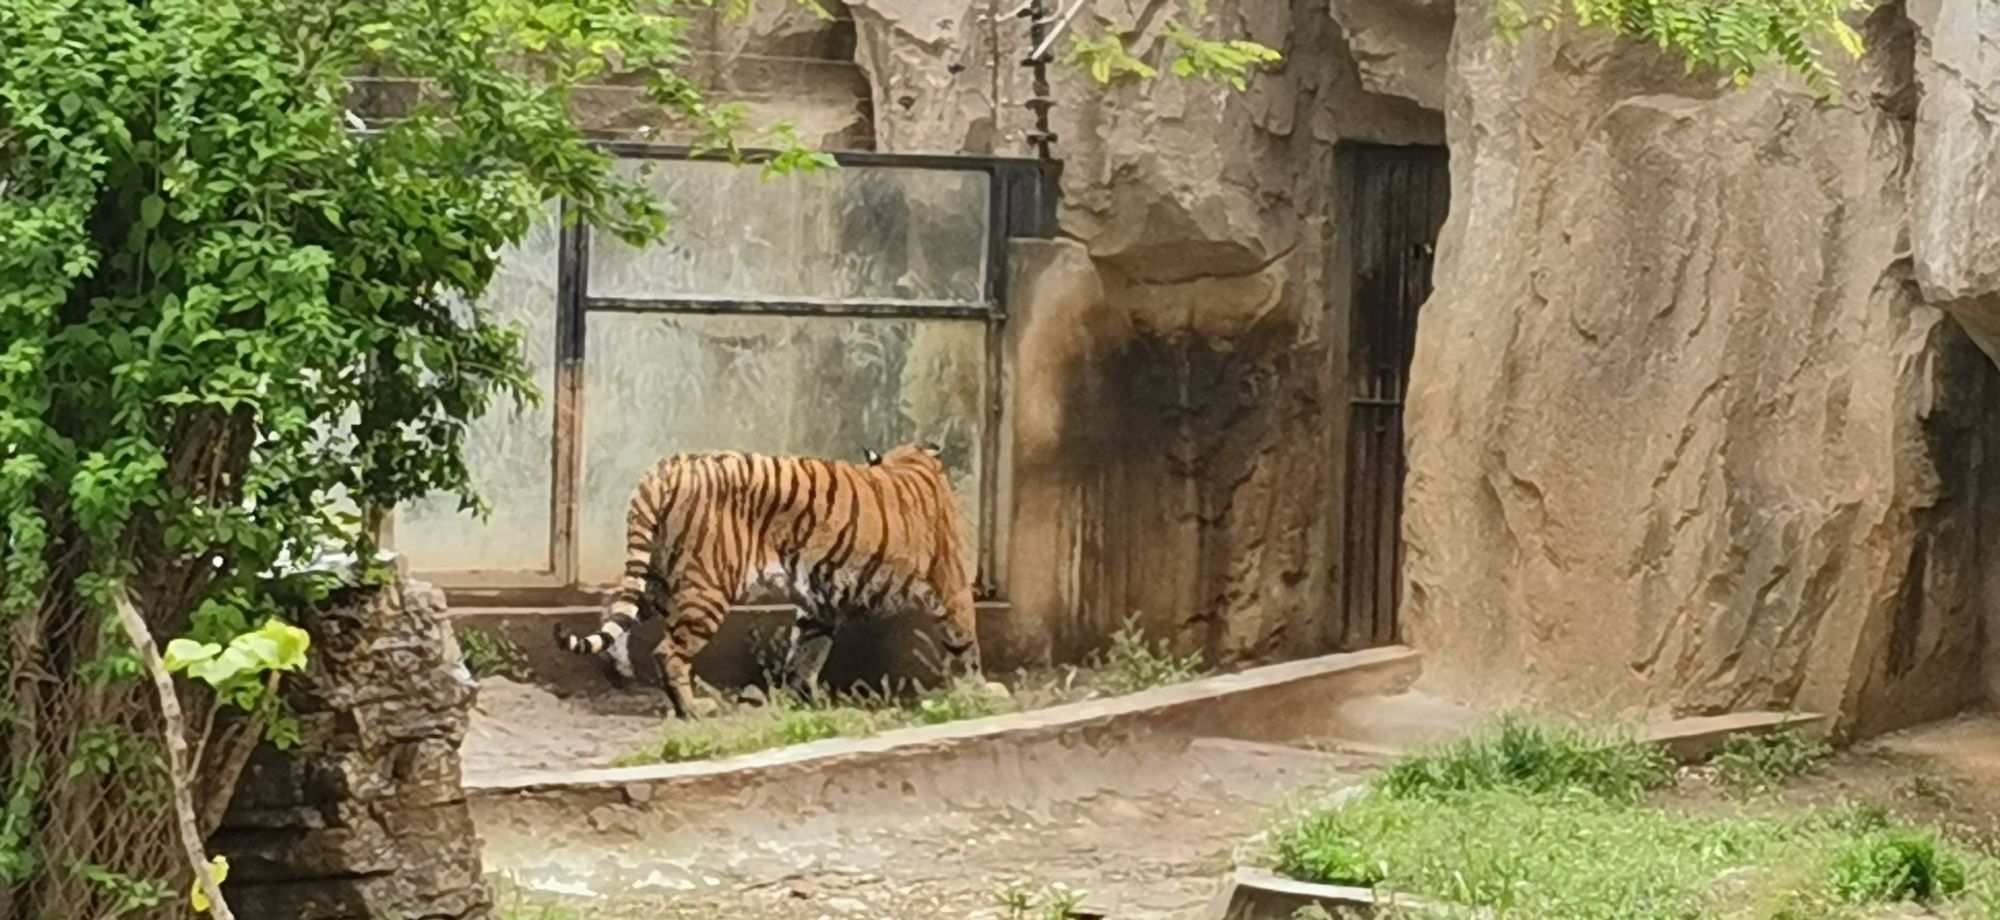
[1055, 902]
[1132, 664]
[1898, 864]
[1331, 847]
[1761, 763]
[489, 654]
[1527, 756]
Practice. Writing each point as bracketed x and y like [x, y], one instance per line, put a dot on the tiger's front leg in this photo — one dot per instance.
[694, 617]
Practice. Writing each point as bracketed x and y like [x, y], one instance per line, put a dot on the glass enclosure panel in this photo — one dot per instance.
[657, 384]
[509, 450]
[883, 235]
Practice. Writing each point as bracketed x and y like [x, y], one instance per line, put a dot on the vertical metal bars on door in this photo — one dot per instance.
[1394, 205]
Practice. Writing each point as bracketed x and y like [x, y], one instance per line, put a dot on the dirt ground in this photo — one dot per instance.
[1137, 856]
[517, 726]
[1154, 853]
[1945, 772]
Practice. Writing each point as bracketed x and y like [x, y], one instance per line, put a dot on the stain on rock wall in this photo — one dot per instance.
[1176, 378]
[1684, 432]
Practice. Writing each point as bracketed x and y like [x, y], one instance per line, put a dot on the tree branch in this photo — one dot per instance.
[177, 752]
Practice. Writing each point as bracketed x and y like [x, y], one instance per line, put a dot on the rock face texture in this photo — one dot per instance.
[1955, 163]
[366, 818]
[1177, 367]
[1687, 432]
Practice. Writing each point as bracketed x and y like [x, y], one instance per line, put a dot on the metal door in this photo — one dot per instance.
[1393, 204]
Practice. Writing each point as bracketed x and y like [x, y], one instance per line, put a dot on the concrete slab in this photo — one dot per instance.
[1254, 894]
[1002, 759]
[1698, 738]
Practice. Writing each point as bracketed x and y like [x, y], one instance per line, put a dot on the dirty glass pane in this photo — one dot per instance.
[509, 450]
[885, 235]
[823, 386]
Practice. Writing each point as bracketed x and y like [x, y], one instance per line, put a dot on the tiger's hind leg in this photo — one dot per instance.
[812, 642]
[693, 616]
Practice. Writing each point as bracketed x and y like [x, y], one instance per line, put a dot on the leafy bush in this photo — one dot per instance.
[233, 329]
[1898, 864]
[1523, 755]
[1133, 664]
[1737, 38]
[1761, 763]
[490, 654]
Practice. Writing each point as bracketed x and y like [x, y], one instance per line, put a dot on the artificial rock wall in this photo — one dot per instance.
[366, 819]
[1176, 380]
[1691, 427]
[1689, 430]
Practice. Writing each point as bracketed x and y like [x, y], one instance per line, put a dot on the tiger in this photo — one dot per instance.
[842, 539]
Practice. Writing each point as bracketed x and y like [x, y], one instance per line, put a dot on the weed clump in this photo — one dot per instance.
[1898, 864]
[1054, 902]
[1133, 664]
[1762, 763]
[489, 654]
[1530, 757]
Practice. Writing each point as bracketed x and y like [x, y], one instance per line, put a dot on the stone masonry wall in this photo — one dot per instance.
[366, 819]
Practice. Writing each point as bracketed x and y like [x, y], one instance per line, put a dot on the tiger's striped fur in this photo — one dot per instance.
[841, 538]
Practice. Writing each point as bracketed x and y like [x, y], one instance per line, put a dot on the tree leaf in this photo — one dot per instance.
[151, 209]
[181, 653]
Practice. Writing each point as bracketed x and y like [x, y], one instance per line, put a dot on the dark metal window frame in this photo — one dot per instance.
[1021, 199]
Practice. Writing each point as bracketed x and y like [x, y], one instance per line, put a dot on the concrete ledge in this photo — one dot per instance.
[974, 762]
[1254, 894]
[1696, 739]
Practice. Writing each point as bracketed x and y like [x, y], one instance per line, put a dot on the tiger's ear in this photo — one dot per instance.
[931, 447]
[874, 459]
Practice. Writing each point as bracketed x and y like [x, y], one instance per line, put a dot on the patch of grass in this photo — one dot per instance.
[1898, 864]
[488, 654]
[1522, 755]
[1532, 820]
[1133, 664]
[1580, 855]
[1751, 764]
[1054, 902]
[961, 700]
[1576, 855]
[787, 720]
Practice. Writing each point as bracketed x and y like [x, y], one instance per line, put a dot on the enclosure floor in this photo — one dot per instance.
[519, 726]
[1150, 856]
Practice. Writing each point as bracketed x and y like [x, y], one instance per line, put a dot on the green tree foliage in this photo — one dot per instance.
[1186, 51]
[1738, 38]
[226, 315]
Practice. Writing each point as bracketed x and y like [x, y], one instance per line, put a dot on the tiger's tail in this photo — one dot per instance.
[621, 606]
